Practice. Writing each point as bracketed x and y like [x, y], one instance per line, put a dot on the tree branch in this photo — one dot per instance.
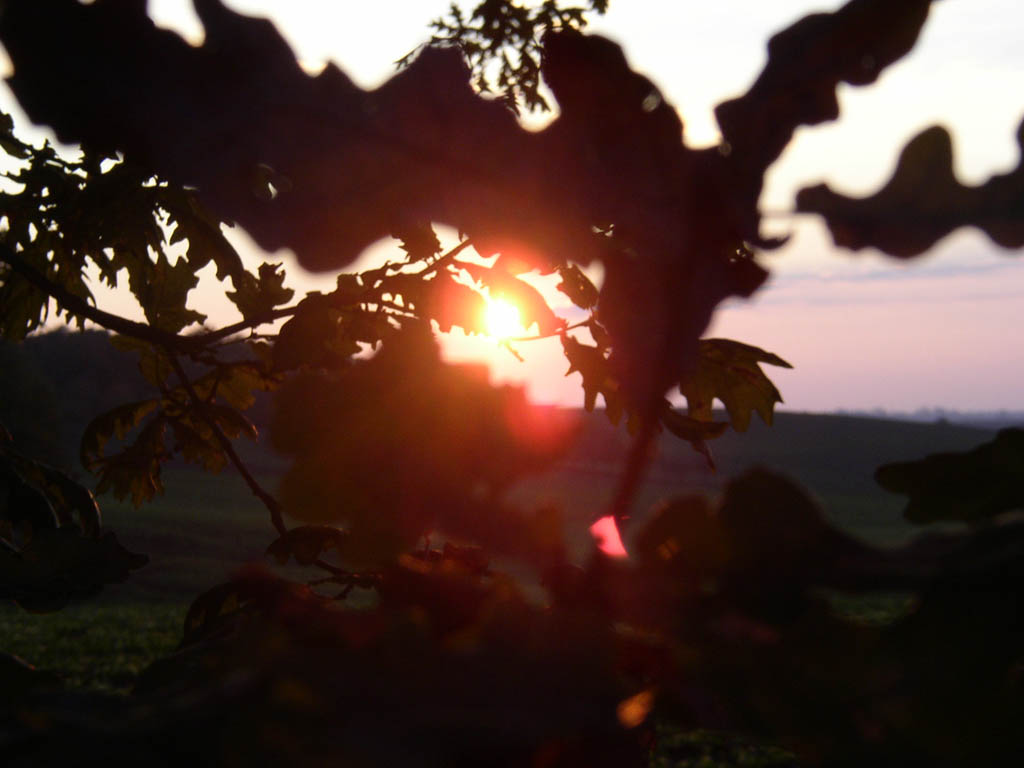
[269, 501]
[79, 306]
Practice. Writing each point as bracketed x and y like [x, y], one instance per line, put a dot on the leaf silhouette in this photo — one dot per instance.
[923, 202]
[256, 296]
[806, 63]
[577, 286]
[971, 486]
[117, 422]
[361, 165]
[731, 372]
[451, 303]
[70, 501]
[504, 285]
[60, 565]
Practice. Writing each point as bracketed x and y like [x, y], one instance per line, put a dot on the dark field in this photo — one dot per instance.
[206, 527]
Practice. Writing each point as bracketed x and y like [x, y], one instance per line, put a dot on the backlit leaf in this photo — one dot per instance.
[117, 422]
[504, 285]
[451, 303]
[731, 372]
[257, 296]
[577, 287]
[134, 471]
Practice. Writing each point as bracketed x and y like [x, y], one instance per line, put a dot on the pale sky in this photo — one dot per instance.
[862, 331]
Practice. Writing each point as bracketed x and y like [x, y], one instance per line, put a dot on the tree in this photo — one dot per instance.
[717, 619]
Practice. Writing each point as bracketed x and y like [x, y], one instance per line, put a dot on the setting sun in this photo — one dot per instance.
[503, 319]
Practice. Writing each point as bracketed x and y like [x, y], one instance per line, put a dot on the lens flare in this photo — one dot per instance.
[606, 535]
[503, 321]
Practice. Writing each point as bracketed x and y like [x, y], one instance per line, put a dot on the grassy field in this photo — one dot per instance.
[207, 527]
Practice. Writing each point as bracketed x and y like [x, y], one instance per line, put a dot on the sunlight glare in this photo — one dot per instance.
[503, 320]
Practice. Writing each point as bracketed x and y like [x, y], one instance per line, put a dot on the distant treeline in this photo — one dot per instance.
[992, 419]
[53, 384]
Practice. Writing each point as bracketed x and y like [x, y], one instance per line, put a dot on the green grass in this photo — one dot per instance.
[712, 749]
[99, 646]
[198, 534]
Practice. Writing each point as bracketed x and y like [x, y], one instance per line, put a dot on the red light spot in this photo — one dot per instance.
[606, 534]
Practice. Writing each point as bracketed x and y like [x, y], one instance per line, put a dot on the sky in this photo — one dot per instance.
[861, 330]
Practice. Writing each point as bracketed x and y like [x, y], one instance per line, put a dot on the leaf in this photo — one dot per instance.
[806, 63]
[153, 362]
[214, 611]
[235, 383]
[208, 612]
[23, 507]
[206, 241]
[257, 297]
[72, 502]
[8, 142]
[135, 470]
[578, 287]
[314, 336]
[694, 431]
[923, 202]
[731, 372]
[592, 366]
[231, 422]
[60, 565]
[418, 240]
[504, 285]
[684, 534]
[117, 422]
[163, 293]
[451, 303]
[776, 535]
[972, 486]
[198, 448]
[25, 307]
[307, 543]
[349, 290]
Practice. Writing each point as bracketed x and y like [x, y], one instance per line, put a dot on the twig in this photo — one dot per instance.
[230, 330]
[269, 501]
[76, 305]
[446, 258]
[559, 332]
[79, 306]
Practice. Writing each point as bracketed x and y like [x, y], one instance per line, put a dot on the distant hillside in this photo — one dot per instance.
[992, 419]
[52, 384]
[833, 456]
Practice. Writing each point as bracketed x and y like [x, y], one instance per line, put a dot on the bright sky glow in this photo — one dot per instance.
[861, 330]
[502, 319]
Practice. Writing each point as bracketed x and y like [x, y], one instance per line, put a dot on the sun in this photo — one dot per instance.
[502, 319]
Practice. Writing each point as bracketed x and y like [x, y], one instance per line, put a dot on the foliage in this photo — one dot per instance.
[719, 618]
[52, 548]
[975, 486]
[507, 35]
[930, 200]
